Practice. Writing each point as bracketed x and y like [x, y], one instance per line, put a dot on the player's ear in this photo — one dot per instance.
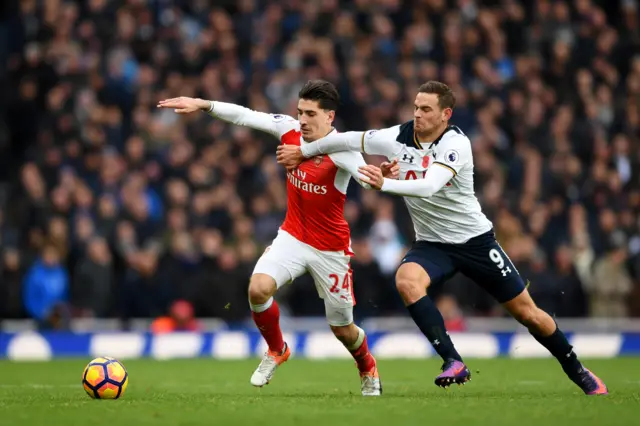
[331, 115]
[446, 114]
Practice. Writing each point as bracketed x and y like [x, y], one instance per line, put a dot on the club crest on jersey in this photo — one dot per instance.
[317, 160]
[451, 156]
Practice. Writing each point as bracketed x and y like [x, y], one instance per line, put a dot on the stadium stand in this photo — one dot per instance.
[111, 208]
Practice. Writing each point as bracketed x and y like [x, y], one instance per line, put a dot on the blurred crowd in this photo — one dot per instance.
[111, 207]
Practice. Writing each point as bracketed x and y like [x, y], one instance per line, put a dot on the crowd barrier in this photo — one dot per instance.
[314, 345]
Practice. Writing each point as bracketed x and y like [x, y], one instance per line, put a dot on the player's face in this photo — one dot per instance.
[315, 122]
[427, 114]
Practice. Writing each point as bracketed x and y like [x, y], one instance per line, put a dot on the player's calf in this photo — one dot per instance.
[266, 315]
[265, 310]
[411, 281]
[546, 331]
[355, 340]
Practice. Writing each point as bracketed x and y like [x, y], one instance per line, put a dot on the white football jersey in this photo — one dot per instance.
[453, 214]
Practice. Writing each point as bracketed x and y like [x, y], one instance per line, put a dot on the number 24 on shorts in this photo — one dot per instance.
[346, 283]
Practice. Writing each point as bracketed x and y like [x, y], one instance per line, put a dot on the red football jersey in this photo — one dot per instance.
[315, 202]
[316, 190]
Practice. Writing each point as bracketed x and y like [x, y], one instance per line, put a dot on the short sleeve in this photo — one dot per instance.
[454, 153]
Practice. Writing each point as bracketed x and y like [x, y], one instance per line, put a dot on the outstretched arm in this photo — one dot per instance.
[352, 162]
[434, 180]
[376, 142]
[228, 112]
[452, 153]
[338, 142]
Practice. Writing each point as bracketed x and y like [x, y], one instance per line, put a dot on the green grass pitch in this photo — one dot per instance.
[209, 392]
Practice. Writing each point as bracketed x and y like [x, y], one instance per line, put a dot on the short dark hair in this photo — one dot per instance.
[446, 97]
[322, 92]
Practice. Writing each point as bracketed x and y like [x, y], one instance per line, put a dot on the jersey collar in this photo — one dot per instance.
[439, 138]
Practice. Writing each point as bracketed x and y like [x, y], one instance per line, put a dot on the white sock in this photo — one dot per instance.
[263, 307]
[359, 340]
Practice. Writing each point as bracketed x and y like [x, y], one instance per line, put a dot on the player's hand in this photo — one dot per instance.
[390, 170]
[372, 175]
[185, 105]
[290, 156]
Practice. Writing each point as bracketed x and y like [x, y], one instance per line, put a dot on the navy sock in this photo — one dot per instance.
[560, 348]
[429, 320]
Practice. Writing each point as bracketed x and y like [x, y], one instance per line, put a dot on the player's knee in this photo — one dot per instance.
[412, 282]
[346, 334]
[261, 288]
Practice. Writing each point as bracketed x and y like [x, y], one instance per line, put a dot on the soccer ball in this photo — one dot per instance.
[105, 378]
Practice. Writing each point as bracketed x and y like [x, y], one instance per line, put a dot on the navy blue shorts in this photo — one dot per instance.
[481, 259]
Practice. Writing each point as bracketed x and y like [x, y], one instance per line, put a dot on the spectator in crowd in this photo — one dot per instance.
[46, 288]
[180, 318]
[93, 280]
[142, 207]
[610, 284]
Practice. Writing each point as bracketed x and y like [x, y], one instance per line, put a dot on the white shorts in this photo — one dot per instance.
[287, 259]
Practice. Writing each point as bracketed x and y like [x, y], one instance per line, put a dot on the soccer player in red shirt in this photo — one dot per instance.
[314, 237]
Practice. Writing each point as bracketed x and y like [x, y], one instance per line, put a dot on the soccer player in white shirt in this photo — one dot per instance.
[314, 237]
[452, 233]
